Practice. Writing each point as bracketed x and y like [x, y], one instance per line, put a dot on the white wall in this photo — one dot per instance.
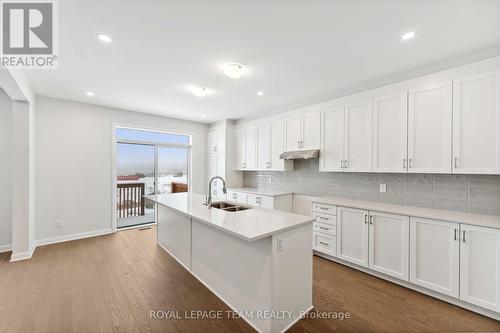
[74, 163]
[5, 171]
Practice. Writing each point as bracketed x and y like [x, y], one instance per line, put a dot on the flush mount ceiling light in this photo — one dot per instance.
[89, 93]
[408, 35]
[234, 70]
[260, 93]
[203, 116]
[199, 91]
[104, 38]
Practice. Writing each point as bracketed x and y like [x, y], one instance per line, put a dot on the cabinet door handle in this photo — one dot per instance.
[410, 164]
[456, 231]
[323, 243]
[463, 236]
[371, 219]
[215, 148]
[455, 160]
[404, 163]
[323, 228]
[345, 164]
[323, 208]
[366, 218]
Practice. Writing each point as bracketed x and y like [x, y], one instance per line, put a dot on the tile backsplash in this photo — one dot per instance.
[466, 193]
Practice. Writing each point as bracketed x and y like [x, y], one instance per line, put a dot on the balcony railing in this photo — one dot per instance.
[130, 199]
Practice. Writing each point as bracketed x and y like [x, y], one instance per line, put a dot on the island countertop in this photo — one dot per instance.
[251, 224]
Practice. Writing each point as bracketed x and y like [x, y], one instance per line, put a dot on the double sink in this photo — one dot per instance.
[228, 207]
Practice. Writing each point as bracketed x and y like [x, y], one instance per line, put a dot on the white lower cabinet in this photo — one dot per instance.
[389, 244]
[480, 266]
[260, 201]
[278, 202]
[434, 255]
[352, 235]
[453, 259]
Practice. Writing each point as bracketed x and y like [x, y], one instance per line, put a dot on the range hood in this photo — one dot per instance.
[300, 154]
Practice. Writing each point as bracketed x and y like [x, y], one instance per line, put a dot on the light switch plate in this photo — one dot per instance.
[383, 188]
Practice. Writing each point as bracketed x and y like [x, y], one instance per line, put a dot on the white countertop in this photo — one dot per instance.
[270, 193]
[430, 213]
[250, 224]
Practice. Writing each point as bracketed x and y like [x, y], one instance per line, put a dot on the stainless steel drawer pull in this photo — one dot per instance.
[324, 208]
[323, 218]
[323, 228]
[455, 234]
[322, 243]
[463, 236]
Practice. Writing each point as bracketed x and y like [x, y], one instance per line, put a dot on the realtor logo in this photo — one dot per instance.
[28, 34]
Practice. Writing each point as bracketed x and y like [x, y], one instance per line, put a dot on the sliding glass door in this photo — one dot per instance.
[172, 170]
[135, 170]
[148, 162]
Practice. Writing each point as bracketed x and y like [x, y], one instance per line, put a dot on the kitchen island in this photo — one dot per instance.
[258, 261]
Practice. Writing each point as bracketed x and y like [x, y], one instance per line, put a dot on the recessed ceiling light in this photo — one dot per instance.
[408, 35]
[260, 93]
[104, 38]
[199, 91]
[234, 70]
[203, 116]
[89, 93]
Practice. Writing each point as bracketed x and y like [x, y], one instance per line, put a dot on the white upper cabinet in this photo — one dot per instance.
[240, 149]
[212, 141]
[251, 148]
[476, 124]
[277, 144]
[263, 147]
[358, 137]
[429, 129]
[245, 148]
[216, 141]
[292, 133]
[480, 266]
[311, 134]
[331, 156]
[390, 133]
[302, 132]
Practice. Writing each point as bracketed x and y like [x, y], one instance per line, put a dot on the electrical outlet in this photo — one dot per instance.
[59, 223]
[383, 188]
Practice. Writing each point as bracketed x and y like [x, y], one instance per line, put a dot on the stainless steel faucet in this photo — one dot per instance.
[208, 203]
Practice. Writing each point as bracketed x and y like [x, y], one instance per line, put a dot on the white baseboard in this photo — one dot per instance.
[66, 238]
[22, 255]
[5, 248]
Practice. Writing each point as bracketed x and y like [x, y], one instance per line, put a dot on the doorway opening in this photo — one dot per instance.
[148, 162]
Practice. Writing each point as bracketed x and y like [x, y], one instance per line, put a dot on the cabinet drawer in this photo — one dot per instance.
[254, 200]
[325, 218]
[325, 209]
[325, 228]
[325, 243]
[232, 196]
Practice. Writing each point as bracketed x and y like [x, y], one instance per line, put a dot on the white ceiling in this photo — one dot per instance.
[297, 51]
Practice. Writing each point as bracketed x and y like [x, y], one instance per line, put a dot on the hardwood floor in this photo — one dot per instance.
[111, 283]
